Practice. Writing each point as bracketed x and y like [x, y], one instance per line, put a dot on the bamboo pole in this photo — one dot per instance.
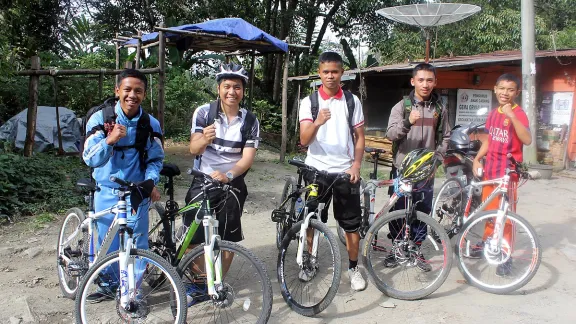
[55, 72]
[138, 50]
[285, 106]
[58, 127]
[251, 81]
[32, 108]
[161, 77]
[117, 66]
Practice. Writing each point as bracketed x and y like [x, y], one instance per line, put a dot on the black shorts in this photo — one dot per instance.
[346, 208]
[228, 211]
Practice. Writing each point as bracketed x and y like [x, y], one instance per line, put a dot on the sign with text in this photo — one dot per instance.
[561, 108]
[468, 103]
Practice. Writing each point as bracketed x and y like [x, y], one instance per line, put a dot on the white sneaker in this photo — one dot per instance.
[356, 281]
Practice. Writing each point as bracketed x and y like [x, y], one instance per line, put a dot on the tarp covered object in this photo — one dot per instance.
[46, 137]
[232, 27]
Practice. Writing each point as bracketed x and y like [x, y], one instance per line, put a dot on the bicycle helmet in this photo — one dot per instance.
[232, 71]
[418, 165]
[460, 139]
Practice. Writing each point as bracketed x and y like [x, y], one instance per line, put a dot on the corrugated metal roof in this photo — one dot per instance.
[454, 62]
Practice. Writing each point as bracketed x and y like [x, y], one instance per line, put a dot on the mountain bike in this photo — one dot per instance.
[224, 281]
[405, 259]
[506, 259]
[367, 196]
[120, 276]
[309, 262]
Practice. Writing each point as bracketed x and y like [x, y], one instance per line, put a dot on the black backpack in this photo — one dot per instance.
[144, 131]
[315, 107]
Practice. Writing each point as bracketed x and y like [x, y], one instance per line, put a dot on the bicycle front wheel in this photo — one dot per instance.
[407, 268]
[504, 268]
[72, 253]
[246, 292]
[98, 299]
[310, 288]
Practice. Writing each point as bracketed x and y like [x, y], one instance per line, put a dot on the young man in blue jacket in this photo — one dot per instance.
[111, 150]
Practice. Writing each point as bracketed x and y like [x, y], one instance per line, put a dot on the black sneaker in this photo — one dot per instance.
[504, 269]
[475, 251]
[390, 261]
[422, 263]
[101, 294]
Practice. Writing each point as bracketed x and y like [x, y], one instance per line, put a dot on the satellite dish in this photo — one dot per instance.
[428, 15]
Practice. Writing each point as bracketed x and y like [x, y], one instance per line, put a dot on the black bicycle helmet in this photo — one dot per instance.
[418, 165]
[232, 71]
[460, 139]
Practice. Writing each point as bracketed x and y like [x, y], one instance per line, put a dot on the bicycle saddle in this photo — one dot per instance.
[86, 183]
[169, 170]
[374, 150]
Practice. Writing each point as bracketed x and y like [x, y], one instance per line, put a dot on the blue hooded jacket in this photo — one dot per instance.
[122, 164]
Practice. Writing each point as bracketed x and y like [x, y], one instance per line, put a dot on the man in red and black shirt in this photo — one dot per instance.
[508, 130]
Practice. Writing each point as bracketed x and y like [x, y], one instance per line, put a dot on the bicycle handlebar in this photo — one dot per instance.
[302, 165]
[121, 182]
[213, 182]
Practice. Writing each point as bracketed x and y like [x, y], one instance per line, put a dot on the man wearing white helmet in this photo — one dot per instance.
[224, 139]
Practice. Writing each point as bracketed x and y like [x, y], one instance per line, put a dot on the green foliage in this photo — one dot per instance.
[269, 115]
[43, 183]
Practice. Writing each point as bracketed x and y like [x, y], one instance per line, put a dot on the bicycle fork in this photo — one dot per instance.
[213, 267]
[303, 235]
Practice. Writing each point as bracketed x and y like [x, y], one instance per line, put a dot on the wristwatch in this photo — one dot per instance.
[229, 175]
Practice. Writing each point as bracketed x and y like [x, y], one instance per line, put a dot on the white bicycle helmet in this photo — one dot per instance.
[232, 71]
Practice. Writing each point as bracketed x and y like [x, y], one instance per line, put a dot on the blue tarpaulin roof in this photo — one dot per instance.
[240, 36]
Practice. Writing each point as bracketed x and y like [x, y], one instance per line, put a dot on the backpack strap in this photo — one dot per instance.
[246, 128]
[351, 106]
[440, 127]
[407, 105]
[212, 114]
[314, 105]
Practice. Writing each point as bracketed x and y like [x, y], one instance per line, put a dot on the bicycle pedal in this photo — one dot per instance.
[279, 216]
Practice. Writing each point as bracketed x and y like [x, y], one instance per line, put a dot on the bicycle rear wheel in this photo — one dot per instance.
[72, 252]
[165, 303]
[282, 227]
[514, 263]
[309, 289]
[411, 268]
[246, 295]
[449, 204]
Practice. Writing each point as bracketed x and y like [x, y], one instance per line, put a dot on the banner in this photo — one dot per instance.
[468, 103]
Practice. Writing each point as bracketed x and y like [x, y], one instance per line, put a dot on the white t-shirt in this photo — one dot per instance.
[333, 148]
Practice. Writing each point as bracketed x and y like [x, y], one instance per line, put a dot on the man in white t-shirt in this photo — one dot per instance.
[335, 141]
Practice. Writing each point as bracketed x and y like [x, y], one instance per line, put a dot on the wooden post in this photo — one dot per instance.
[297, 110]
[117, 59]
[138, 50]
[161, 77]
[58, 129]
[251, 81]
[100, 85]
[285, 105]
[32, 108]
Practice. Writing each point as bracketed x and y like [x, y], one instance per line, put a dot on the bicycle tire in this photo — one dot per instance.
[535, 259]
[69, 286]
[457, 198]
[156, 242]
[257, 264]
[282, 227]
[177, 295]
[336, 264]
[388, 289]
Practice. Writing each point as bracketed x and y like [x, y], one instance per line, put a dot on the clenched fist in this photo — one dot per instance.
[507, 110]
[118, 132]
[209, 133]
[323, 116]
[414, 116]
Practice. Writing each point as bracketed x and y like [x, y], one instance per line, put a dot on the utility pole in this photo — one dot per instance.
[529, 77]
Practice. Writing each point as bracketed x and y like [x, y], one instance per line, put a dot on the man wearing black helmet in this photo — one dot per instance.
[224, 139]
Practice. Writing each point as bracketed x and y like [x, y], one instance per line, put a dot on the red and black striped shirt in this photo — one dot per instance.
[502, 139]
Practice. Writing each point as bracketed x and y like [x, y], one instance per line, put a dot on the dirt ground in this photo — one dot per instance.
[30, 292]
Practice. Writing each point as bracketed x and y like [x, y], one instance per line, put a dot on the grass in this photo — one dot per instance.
[42, 219]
